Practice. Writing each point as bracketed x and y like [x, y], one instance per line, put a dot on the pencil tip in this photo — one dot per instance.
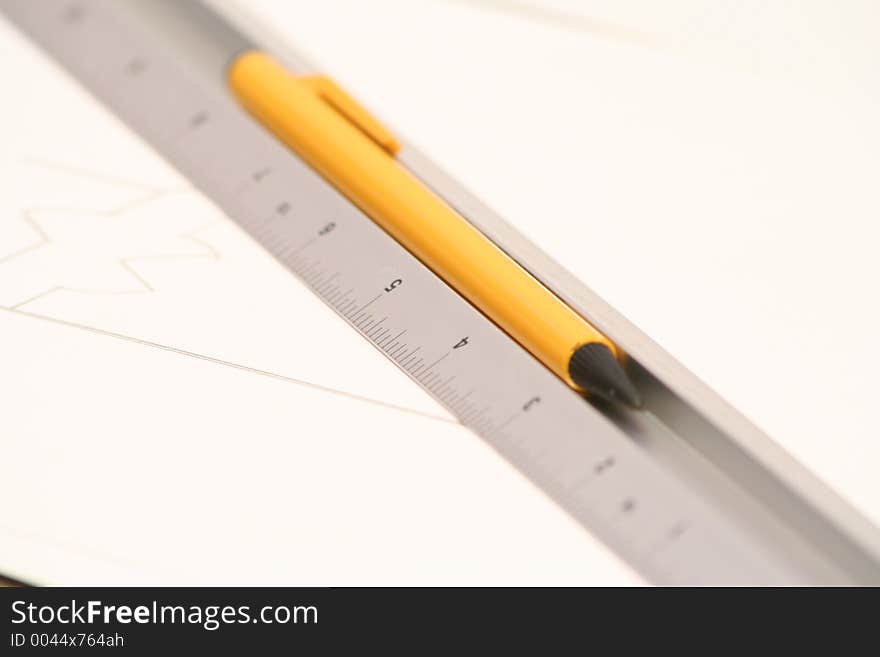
[595, 369]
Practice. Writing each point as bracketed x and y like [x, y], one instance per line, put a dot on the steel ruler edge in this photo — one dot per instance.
[713, 549]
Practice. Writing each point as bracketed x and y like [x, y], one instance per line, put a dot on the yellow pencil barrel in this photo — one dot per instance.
[316, 120]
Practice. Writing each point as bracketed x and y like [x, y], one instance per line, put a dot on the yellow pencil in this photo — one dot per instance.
[333, 134]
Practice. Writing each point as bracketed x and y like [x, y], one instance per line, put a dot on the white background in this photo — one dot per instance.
[725, 155]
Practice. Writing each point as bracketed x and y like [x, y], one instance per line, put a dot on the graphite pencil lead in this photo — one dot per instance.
[595, 369]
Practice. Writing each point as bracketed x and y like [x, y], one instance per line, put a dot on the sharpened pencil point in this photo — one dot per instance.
[595, 369]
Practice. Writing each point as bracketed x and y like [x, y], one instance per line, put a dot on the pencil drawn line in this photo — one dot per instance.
[151, 193]
[71, 546]
[35, 297]
[569, 21]
[28, 216]
[82, 172]
[125, 263]
[226, 363]
[41, 234]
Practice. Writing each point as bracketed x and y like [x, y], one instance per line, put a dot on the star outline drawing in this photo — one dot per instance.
[55, 227]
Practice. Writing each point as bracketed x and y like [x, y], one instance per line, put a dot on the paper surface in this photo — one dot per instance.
[178, 409]
[725, 156]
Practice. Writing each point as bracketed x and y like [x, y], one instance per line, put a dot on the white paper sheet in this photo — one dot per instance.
[726, 156]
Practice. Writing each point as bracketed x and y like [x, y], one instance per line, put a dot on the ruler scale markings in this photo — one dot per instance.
[326, 284]
[298, 265]
[375, 329]
[482, 411]
[374, 299]
[343, 300]
[438, 360]
[300, 248]
[411, 356]
[461, 408]
[507, 421]
[303, 269]
[470, 413]
[442, 392]
[424, 374]
[445, 387]
[308, 270]
[392, 338]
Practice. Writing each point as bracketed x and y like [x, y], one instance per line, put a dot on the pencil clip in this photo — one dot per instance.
[335, 96]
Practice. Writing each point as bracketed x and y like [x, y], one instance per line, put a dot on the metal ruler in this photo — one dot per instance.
[662, 522]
